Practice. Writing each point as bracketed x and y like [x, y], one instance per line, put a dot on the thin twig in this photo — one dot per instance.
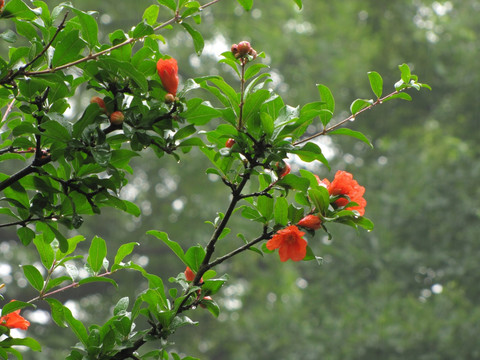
[333, 127]
[106, 51]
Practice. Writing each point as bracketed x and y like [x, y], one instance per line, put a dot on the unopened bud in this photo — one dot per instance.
[117, 118]
[169, 98]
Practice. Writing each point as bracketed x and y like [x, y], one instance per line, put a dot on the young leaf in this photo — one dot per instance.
[376, 83]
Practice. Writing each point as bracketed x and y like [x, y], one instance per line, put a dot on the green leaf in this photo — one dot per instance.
[17, 9]
[246, 4]
[62, 240]
[184, 132]
[96, 253]
[194, 257]
[29, 342]
[169, 4]
[402, 95]
[212, 307]
[14, 306]
[142, 29]
[199, 113]
[376, 83]
[253, 102]
[68, 49]
[327, 98]
[9, 36]
[150, 15]
[265, 206]
[121, 306]
[26, 235]
[253, 70]
[281, 211]
[197, 37]
[295, 182]
[310, 152]
[89, 26]
[77, 326]
[352, 133]
[71, 246]
[299, 3]
[57, 312]
[92, 279]
[55, 130]
[33, 276]
[175, 247]
[45, 251]
[406, 74]
[267, 123]
[320, 198]
[124, 250]
[360, 104]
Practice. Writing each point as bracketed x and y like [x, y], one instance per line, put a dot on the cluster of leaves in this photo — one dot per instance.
[78, 165]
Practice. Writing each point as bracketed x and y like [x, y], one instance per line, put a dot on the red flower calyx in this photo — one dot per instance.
[344, 184]
[311, 222]
[290, 244]
[168, 71]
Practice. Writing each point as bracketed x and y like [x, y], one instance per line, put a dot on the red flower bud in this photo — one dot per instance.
[244, 47]
[168, 71]
[234, 49]
[98, 100]
[169, 98]
[311, 222]
[117, 118]
[230, 142]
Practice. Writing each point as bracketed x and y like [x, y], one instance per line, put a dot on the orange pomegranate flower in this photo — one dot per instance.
[168, 71]
[14, 321]
[290, 243]
[344, 184]
[311, 222]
